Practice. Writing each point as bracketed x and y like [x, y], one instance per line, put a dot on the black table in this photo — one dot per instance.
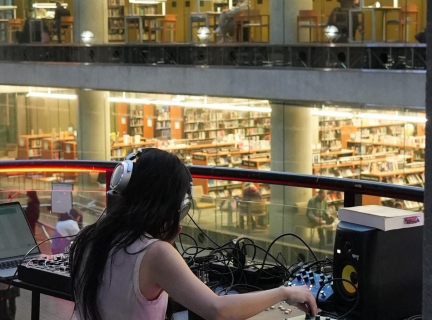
[36, 292]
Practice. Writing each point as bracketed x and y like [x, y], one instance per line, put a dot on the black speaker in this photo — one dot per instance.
[385, 266]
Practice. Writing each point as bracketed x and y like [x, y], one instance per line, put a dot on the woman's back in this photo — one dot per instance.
[119, 294]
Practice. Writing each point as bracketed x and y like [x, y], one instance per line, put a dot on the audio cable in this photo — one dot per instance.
[352, 308]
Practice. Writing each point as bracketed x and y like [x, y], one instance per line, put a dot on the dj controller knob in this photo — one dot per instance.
[298, 276]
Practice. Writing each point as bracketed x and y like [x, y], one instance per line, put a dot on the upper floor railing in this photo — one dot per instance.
[383, 56]
[351, 187]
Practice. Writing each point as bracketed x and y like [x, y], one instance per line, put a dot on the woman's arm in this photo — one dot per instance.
[162, 266]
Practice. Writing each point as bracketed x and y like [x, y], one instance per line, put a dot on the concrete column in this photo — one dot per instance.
[427, 245]
[93, 135]
[283, 19]
[91, 16]
[291, 151]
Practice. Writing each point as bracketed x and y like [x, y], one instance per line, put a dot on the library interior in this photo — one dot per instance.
[373, 143]
[186, 21]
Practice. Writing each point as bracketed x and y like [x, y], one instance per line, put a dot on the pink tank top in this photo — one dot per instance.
[120, 296]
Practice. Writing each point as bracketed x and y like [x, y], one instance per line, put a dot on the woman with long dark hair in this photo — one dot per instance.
[124, 266]
[33, 209]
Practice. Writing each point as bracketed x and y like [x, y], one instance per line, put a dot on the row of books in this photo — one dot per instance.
[116, 2]
[119, 12]
[193, 116]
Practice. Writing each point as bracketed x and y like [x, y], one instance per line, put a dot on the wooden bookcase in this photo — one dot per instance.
[231, 159]
[70, 150]
[120, 150]
[202, 124]
[168, 122]
[141, 119]
[53, 148]
[30, 146]
[116, 28]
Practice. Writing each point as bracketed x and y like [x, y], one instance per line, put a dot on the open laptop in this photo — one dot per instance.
[16, 238]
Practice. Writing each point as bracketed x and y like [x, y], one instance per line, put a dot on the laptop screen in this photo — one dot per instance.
[16, 237]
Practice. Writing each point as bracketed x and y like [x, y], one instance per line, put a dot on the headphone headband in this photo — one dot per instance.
[122, 174]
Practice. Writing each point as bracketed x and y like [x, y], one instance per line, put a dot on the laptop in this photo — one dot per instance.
[16, 239]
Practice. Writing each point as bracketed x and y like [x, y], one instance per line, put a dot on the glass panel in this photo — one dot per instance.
[212, 21]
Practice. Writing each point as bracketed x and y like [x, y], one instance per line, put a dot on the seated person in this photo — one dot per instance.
[398, 205]
[125, 265]
[66, 226]
[226, 19]
[253, 203]
[340, 19]
[38, 34]
[317, 212]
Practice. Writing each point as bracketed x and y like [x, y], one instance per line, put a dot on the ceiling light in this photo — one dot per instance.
[48, 5]
[51, 95]
[335, 114]
[191, 104]
[395, 117]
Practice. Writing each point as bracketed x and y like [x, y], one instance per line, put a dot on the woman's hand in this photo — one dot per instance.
[302, 298]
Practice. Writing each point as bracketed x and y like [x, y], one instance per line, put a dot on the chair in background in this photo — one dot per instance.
[169, 26]
[309, 19]
[67, 28]
[255, 213]
[13, 26]
[200, 201]
[249, 20]
[301, 221]
[408, 15]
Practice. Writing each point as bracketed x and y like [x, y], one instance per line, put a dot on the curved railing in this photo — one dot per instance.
[352, 188]
[388, 56]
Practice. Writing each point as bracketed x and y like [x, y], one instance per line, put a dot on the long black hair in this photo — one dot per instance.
[149, 205]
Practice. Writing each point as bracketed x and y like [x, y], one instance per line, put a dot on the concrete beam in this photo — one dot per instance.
[380, 87]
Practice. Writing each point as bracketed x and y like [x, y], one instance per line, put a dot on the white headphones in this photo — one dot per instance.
[123, 172]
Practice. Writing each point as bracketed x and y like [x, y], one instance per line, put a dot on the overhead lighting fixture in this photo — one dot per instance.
[147, 1]
[394, 117]
[51, 95]
[204, 105]
[335, 114]
[48, 5]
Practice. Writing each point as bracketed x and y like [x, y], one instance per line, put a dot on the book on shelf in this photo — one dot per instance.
[380, 217]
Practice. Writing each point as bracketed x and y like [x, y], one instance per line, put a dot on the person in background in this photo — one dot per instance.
[38, 34]
[60, 12]
[226, 19]
[125, 265]
[33, 209]
[254, 203]
[317, 213]
[67, 226]
[398, 205]
[339, 17]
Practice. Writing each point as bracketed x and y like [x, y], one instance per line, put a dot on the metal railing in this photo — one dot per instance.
[352, 188]
[385, 56]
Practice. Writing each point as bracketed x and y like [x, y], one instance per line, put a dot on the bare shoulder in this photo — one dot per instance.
[161, 251]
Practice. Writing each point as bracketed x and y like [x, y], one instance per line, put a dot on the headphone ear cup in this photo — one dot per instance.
[121, 176]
